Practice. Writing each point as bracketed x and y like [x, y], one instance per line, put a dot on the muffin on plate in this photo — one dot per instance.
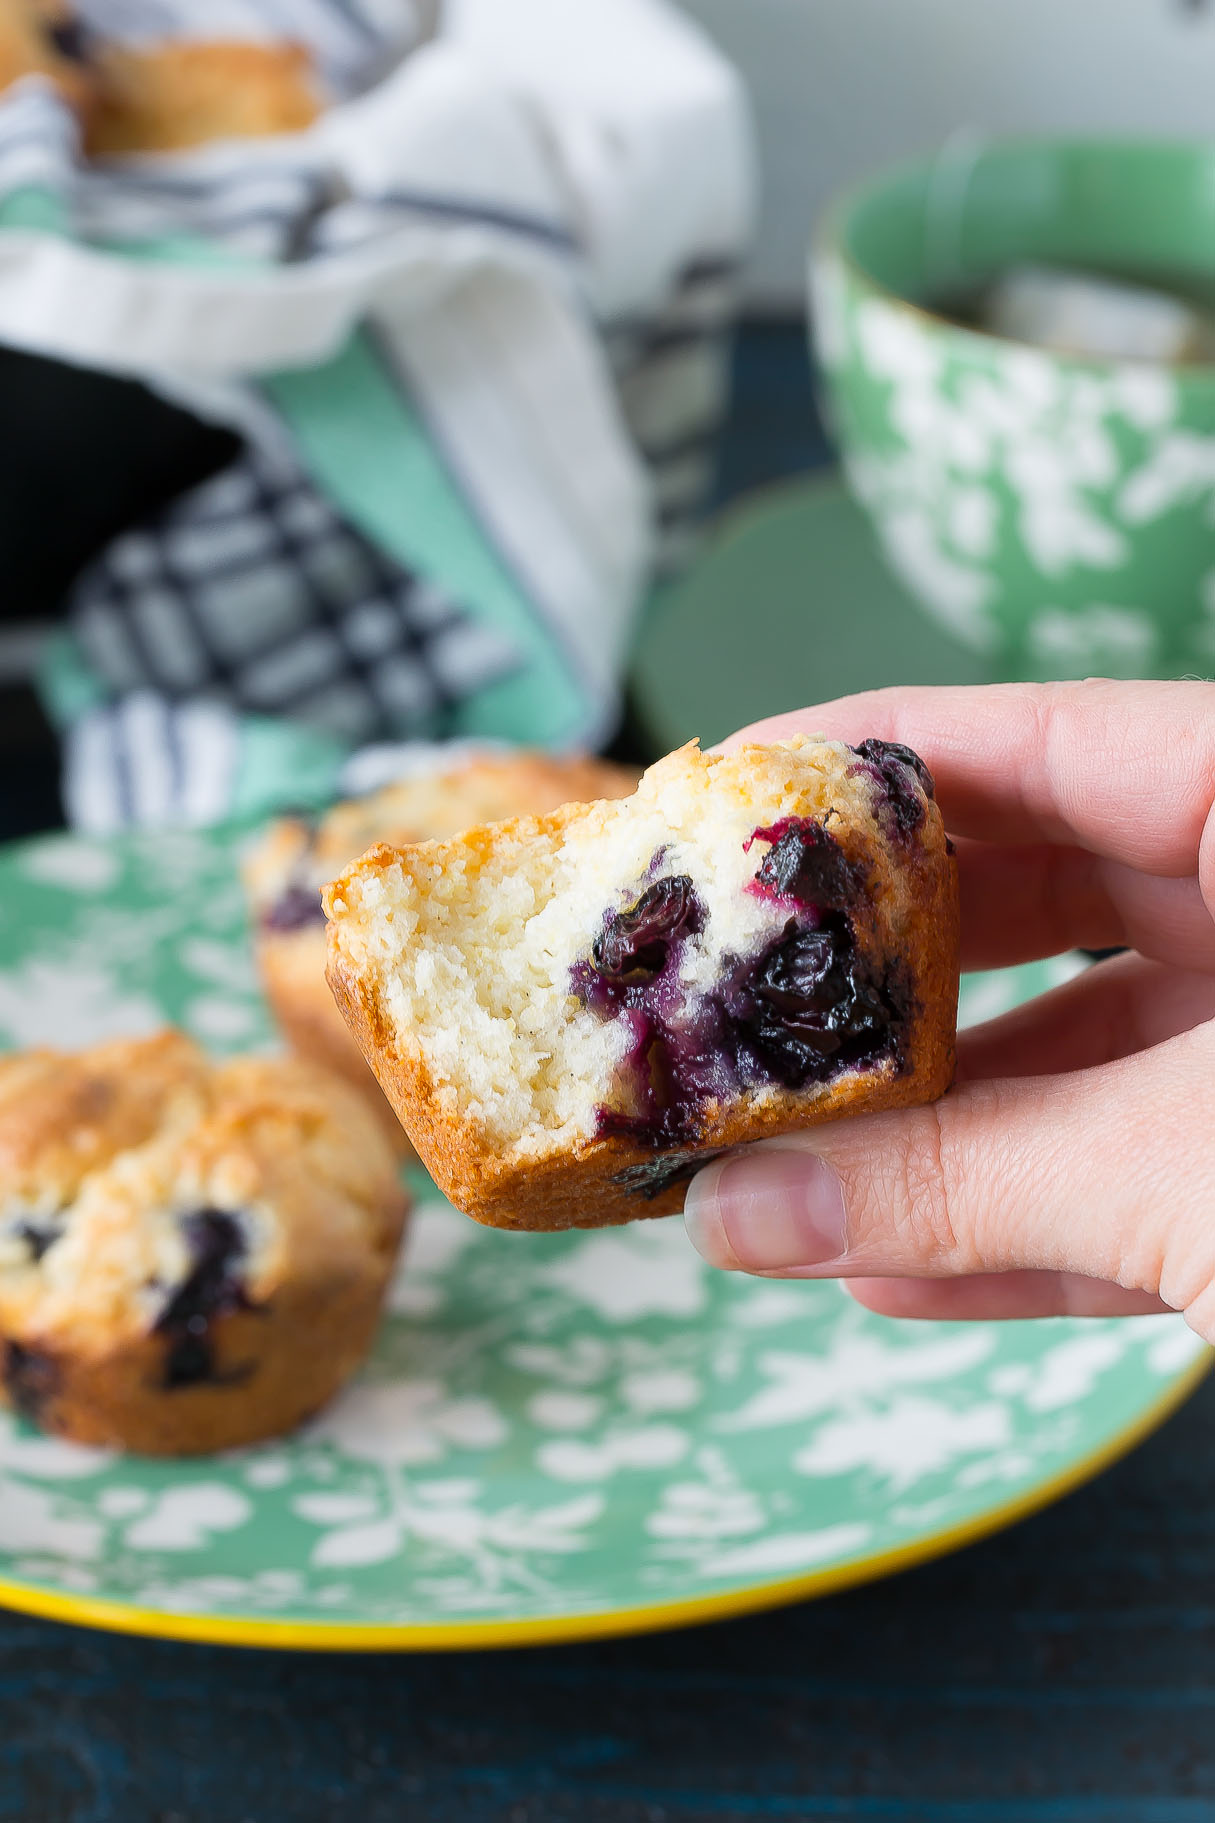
[287, 868]
[193, 1255]
[571, 1012]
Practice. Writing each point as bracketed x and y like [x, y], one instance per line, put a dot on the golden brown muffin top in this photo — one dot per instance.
[116, 1160]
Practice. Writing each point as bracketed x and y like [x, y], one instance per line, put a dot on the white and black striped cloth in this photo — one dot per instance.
[548, 256]
[672, 369]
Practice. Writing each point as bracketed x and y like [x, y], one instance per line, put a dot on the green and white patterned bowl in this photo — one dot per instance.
[1057, 514]
[557, 1435]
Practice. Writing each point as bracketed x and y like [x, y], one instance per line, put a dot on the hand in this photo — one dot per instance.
[1072, 1168]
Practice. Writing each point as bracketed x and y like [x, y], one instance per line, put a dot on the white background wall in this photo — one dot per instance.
[842, 86]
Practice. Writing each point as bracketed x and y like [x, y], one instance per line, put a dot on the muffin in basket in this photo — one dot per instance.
[162, 96]
[187, 92]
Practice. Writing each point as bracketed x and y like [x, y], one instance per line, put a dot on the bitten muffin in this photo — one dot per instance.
[571, 1013]
[193, 1256]
[286, 870]
[186, 92]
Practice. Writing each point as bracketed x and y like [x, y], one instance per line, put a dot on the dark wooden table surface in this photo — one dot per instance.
[1063, 1672]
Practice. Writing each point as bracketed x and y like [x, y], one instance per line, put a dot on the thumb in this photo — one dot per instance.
[1105, 1172]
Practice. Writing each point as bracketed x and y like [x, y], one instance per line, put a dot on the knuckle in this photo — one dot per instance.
[920, 1192]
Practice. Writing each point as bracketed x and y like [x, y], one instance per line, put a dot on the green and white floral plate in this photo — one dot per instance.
[557, 1436]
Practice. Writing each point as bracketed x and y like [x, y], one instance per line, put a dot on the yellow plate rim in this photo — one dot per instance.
[311, 1636]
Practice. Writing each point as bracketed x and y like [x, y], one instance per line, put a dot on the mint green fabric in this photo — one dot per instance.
[281, 762]
[35, 208]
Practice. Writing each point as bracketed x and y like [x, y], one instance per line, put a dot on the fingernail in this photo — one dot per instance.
[765, 1211]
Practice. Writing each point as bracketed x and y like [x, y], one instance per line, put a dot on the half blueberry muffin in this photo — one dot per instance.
[570, 1013]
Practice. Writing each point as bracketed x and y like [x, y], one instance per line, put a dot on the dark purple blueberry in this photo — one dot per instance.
[30, 1378]
[652, 1178]
[904, 777]
[881, 752]
[294, 909]
[71, 38]
[807, 1007]
[213, 1288]
[636, 942]
[39, 1237]
[806, 864]
[801, 1010]
[191, 1362]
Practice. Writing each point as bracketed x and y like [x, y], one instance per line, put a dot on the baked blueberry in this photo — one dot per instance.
[635, 943]
[37, 1236]
[214, 1287]
[30, 1378]
[70, 38]
[904, 778]
[805, 863]
[808, 1007]
[296, 908]
[655, 1176]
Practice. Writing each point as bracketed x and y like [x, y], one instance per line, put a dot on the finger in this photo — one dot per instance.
[1112, 1010]
[1022, 902]
[999, 1296]
[1106, 1173]
[1124, 770]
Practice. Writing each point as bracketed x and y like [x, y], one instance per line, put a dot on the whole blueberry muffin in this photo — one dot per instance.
[570, 1013]
[287, 868]
[193, 1256]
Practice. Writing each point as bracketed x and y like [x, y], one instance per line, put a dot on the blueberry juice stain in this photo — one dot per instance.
[800, 1010]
